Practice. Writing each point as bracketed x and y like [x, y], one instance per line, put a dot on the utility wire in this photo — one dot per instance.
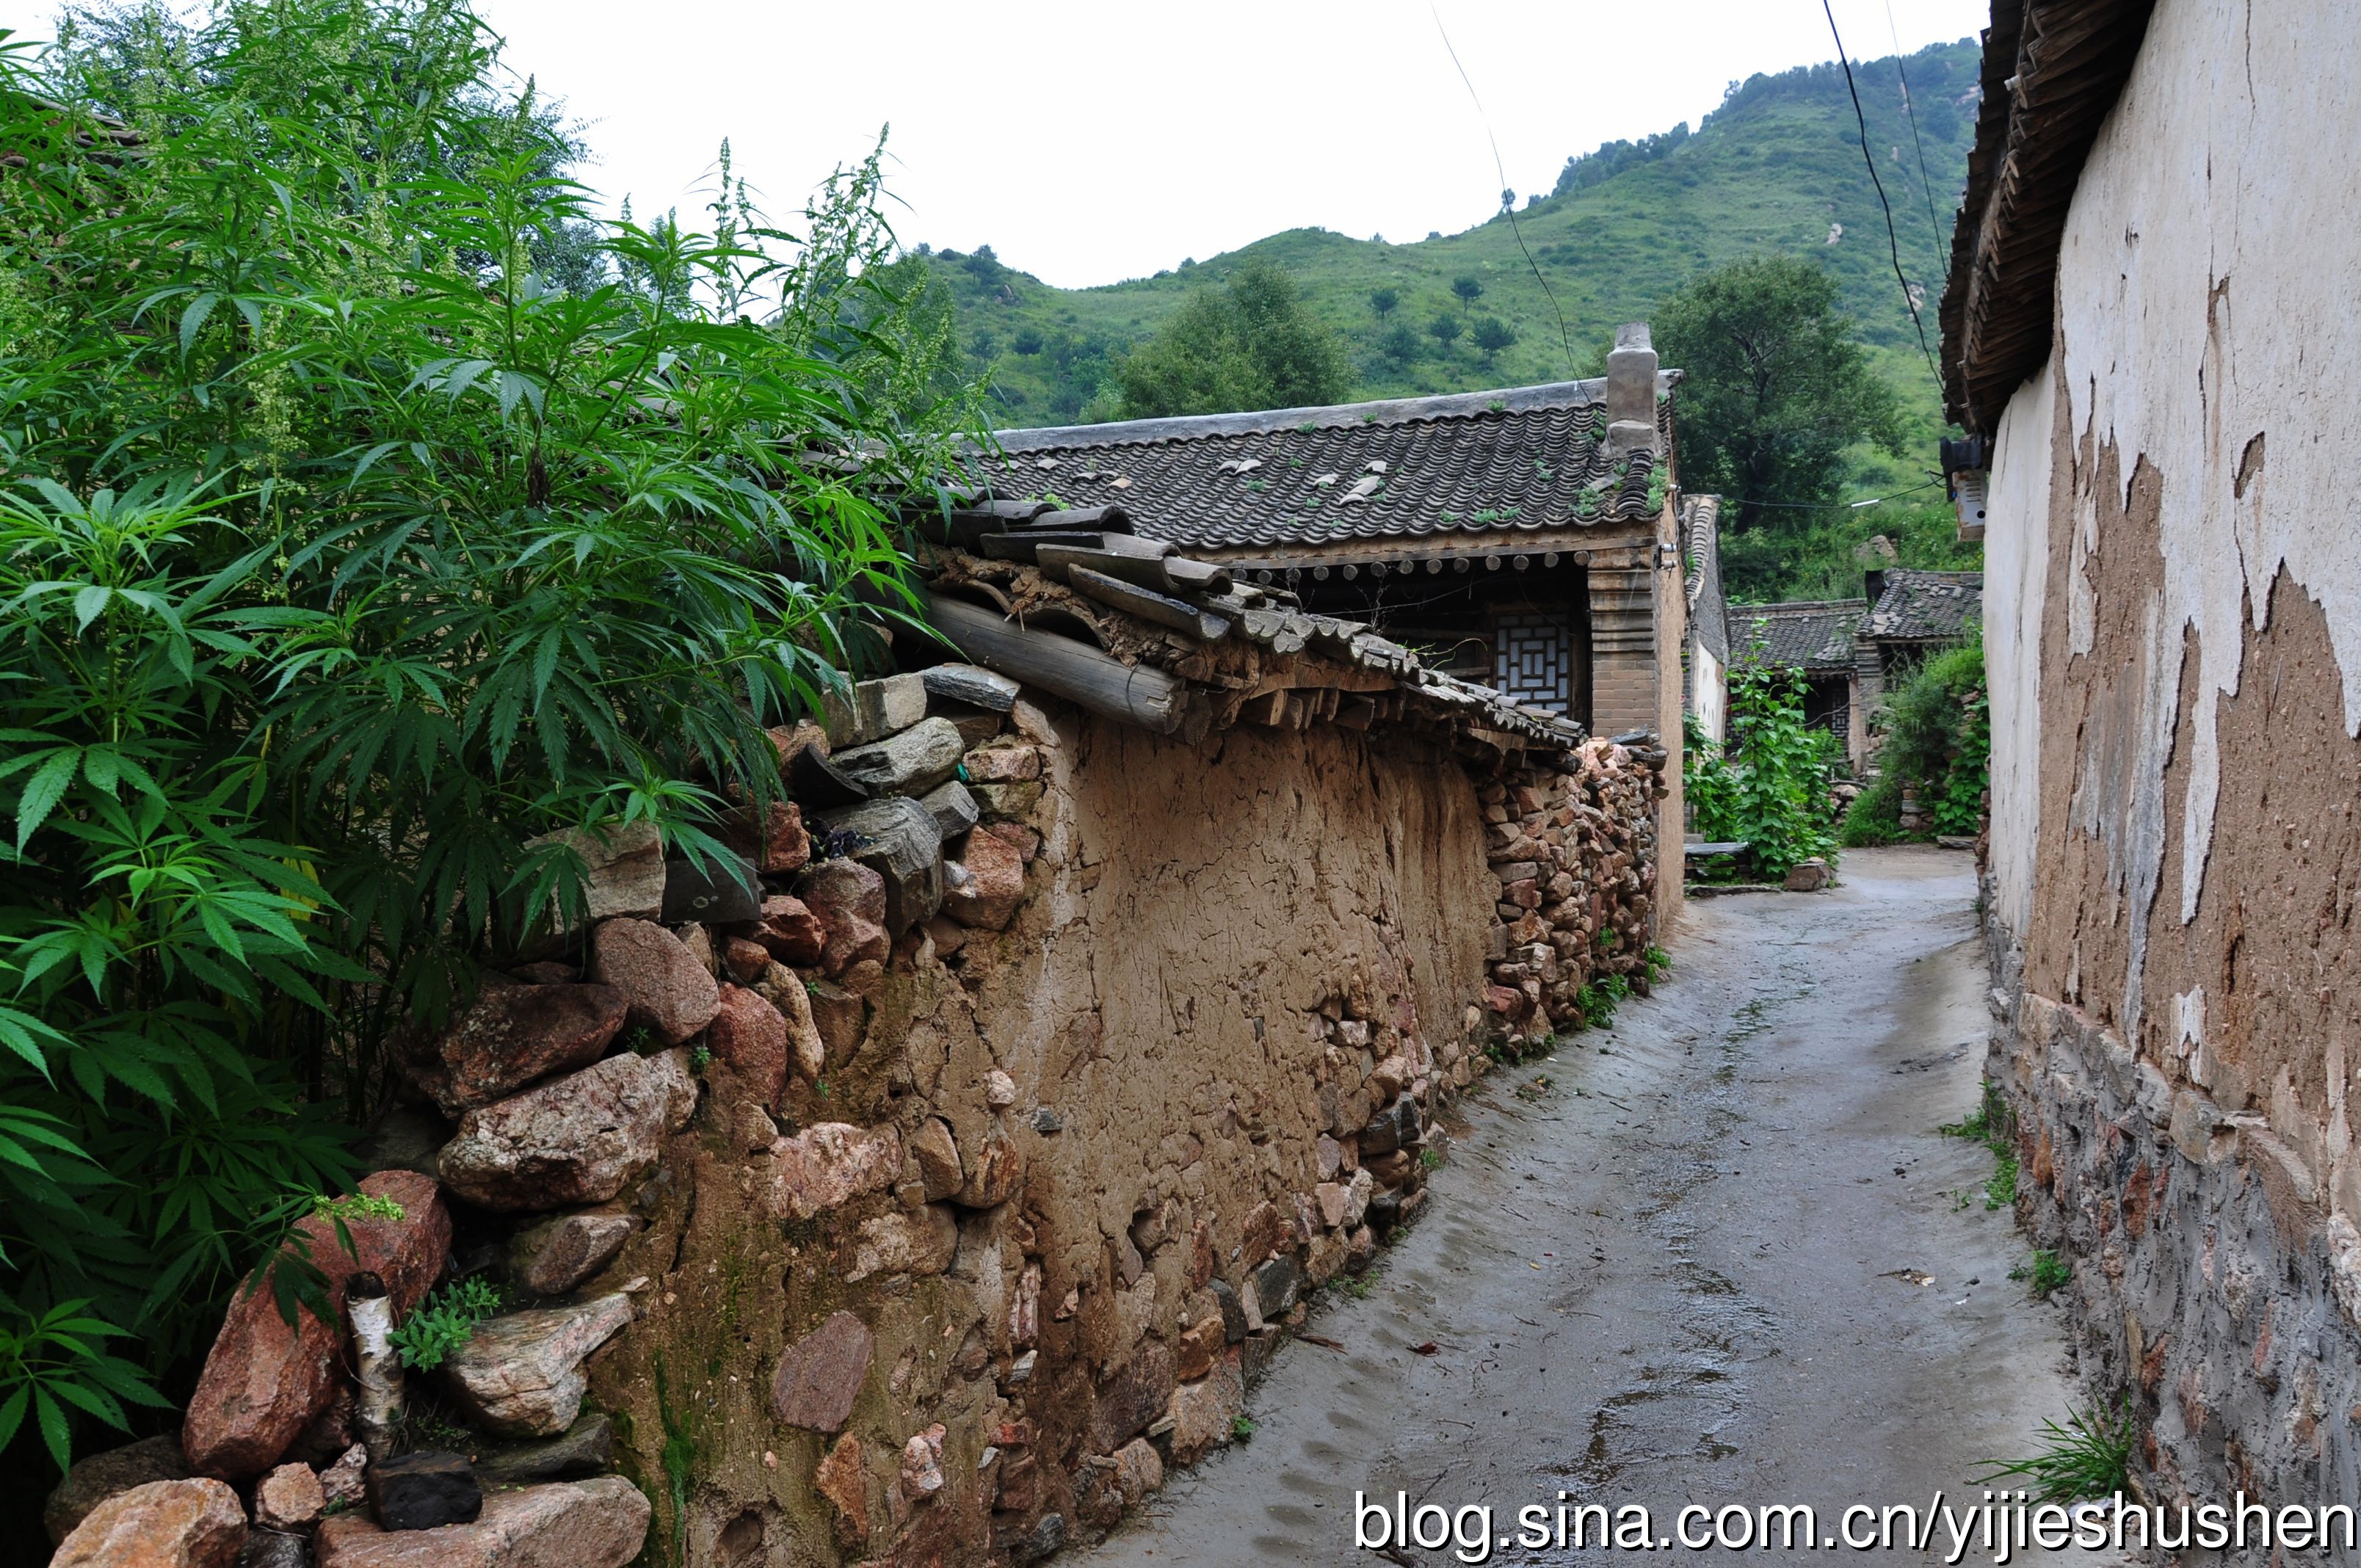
[1564, 339]
[1893, 241]
[1847, 506]
[1925, 183]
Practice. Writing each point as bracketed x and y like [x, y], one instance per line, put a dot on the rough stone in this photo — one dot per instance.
[922, 1464]
[952, 808]
[1203, 1411]
[911, 763]
[289, 1498]
[784, 989]
[726, 889]
[95, 1477]
[1276, 1284]
[188, 1523]
[576, 1140]
[1139, 1470]
[936, 1148]
[838, 1479]
[1007, 802]
[974, 686]
[751, 1035]
[889, 704]
[1260, 1233]
[275, 1549]
[1201, 1342]
[1026, 841]
[509, 1036]
[1234, 1311]
[744, 960]
[919, 1242]
[821, 1374]
[670, 993]
[993, 887]
[994, 1175]
[837, 1015]
[1391, 1128]
[905, 847]
[520, 1375]
[1132, 1398]
[1393, 1169]
[1809, 875]
[999, 1090]
[849, 900]
[553, 1257]
[773, 838]
[623, 870]
[791, 931]
[1003, 763]
[829, 1164]
[586, 1448]
[264, 1382]
[424, 1490]
[567, 1524]
[346, 1482]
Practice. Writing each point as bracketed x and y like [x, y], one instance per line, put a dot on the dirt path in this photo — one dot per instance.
[1680, 1262]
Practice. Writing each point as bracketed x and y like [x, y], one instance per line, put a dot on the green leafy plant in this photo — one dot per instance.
[57, 1362]
[2089, 1456]
[360, 1206]
[2046, 1272]
[445, 1320]
[371, 508]
[1937, 734]
[1991, 1124]
[1242, 1429]
[1769, 786]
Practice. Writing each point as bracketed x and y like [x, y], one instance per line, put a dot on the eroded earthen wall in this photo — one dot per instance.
[2173, 613]
[1061, 1187]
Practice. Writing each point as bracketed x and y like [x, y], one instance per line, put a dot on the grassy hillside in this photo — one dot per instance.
[1777, 167]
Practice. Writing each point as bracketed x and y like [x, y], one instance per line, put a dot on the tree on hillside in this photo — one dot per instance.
[1469, 290]
[1399, 344]
[1252, 343]
[1383, 302]
[1444, 329]
[1777, 387]
[1493, 334]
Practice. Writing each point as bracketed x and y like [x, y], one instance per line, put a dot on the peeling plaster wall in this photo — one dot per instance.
[2173, 614]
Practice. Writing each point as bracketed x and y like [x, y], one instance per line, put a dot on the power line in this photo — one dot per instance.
[1846, 506]
[1926, 182]
[1893, 241]
[1509, 205]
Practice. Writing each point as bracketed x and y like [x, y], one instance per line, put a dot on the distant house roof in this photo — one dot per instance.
[1436, 470]
[1925, 606]
[1815, 634]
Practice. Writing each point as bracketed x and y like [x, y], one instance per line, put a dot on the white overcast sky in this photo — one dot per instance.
[1091, 142]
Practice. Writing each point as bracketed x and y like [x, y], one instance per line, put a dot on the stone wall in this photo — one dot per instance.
[2173, 625]
[921, 1181]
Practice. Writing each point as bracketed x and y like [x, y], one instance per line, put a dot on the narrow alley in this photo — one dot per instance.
[1717, 1254]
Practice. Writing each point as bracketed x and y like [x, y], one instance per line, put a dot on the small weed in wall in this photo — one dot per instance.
[445, 1321]
[2046, 1272]
[2089, 1456]
[1990, 1124]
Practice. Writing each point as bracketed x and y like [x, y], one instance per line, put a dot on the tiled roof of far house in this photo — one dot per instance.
[1919, 606]
[1425, 470]
[1814, 633]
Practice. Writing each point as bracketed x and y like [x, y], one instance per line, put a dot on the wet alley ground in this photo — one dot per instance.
[1716, 1255]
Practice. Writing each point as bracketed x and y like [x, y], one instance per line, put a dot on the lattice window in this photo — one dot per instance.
[1532, 662]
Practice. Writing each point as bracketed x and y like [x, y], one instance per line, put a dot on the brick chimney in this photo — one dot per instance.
[1632, 392]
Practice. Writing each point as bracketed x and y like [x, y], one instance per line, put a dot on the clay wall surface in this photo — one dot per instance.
[2173, 614]
[1200, 1063]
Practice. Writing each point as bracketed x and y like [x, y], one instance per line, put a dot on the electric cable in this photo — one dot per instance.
[1926, 182]
[1565, 338]
[1893, 241]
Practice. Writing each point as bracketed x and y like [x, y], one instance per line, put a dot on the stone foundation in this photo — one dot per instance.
[2210, 1287]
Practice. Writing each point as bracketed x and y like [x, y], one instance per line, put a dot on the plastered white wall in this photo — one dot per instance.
[2016, 569]
[2209, 294]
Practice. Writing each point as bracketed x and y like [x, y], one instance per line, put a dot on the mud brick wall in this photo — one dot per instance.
[1059, 1188]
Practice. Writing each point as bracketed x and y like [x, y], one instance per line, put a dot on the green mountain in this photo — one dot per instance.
[1777, 167]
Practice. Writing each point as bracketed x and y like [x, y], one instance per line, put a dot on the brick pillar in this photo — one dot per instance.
[1623, 667]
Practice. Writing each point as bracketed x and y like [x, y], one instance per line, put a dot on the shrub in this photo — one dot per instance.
[371, 507]
[445, 1320]
[1769, 787]
[1937, 725]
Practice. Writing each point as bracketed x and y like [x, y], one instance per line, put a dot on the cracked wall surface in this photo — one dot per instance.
[2173, 611]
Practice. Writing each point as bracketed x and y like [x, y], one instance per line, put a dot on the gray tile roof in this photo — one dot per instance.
[1921, 605]
[1814, 633]
[1452, 469]
[1701, 575]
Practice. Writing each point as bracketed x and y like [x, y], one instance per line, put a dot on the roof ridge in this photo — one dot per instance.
[1387, 411]
[1798, 606]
